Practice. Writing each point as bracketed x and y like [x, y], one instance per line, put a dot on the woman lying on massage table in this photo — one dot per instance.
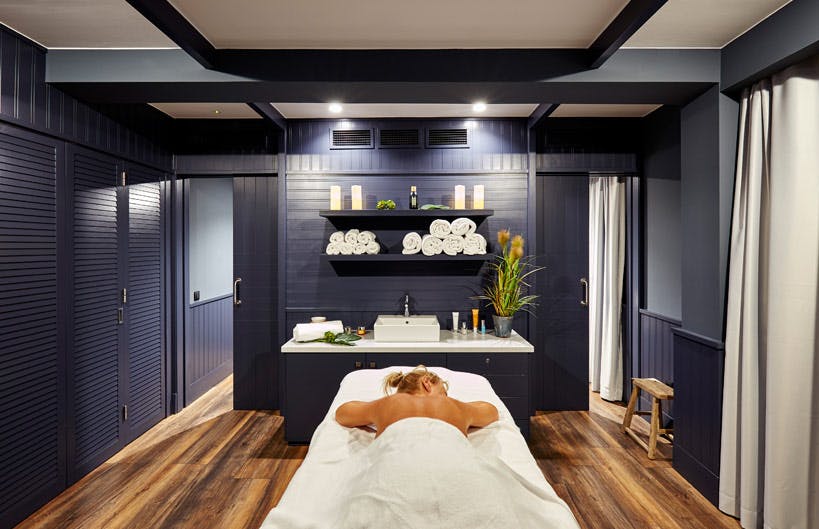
[419, 393]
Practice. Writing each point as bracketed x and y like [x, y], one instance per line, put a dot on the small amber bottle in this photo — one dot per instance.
[413, 201]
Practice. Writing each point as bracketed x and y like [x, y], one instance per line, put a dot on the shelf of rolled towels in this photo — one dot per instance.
[446, 237]
[353, 242]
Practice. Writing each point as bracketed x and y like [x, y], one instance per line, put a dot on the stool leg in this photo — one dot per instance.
[656, 411]
[632, 404]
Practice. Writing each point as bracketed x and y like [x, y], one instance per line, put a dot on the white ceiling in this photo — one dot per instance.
[352, 24]
[391, 110]
[702, 23]
[82, 24]
[603, 111]
[207, 110]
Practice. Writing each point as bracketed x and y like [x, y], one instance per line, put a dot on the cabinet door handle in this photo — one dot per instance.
[372, 364]
[236, 299]
[585, 284]
[358, 364]
[120, 316]
[487, 360]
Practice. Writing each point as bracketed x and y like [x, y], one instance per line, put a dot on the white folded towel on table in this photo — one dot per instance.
[366, 237]
[440, 228]
[463, 226]
[351, 236]
[431, 245]
[359, 248]
[372, 248]
[346, 248]
[337, 237]
[474, 244]
[453, 244]
[304, 332]
[333, 248]
[412, 243]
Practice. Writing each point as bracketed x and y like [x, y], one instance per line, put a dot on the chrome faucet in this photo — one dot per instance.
[406, 306]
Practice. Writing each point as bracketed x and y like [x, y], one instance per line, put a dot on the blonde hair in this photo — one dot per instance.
[411, 382]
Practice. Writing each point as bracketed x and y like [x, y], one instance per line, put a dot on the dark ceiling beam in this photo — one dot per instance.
[539, 114]
[625, 24]
[176, 27]
[270, 114]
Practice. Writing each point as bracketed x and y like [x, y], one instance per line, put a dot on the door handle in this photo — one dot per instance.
[358, 364]
[372, 365]
[585, 284]
[236, 299]
[120, 316]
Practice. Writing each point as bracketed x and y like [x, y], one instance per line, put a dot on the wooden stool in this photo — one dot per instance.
[658, 392]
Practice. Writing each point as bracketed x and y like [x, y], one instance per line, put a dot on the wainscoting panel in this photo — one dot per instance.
[698, 373]
[208, 345]
[657, 354]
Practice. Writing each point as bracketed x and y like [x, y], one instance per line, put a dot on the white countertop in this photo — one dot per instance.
[449, 343]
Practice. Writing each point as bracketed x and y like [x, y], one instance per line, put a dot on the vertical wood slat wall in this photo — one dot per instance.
[44, 383]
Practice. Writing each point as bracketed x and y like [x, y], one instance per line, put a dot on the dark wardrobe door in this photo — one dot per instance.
[255, 324]
[32, 458]
[562, 326]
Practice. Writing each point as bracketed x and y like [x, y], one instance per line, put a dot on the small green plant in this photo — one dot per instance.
[505, 291]
[337, 339]
[385, 204]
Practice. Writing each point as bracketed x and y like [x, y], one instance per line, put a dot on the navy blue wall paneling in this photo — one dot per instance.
[698, 374]
[208, 345]
[656, 354]
[32, 440]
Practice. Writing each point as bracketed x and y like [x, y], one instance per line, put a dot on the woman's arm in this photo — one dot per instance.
[356, 413]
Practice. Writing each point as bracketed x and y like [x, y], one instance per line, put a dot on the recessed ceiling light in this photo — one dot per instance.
[480, 106]
[335, 108]
[217, 111]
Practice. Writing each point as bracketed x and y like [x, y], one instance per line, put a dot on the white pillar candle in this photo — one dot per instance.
[356, 195]
[335, 197]
[460, 197]
[477, 196]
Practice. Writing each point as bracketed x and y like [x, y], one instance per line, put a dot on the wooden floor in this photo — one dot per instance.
[212, 467]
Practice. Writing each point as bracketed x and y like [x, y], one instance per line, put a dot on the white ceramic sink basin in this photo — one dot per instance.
[392, 328]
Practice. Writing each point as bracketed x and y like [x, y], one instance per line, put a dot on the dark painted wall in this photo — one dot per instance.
[588, 144]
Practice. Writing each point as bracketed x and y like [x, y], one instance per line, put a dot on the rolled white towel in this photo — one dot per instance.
[304, 332]
[351, 236]
[463, 226]
[337, 237]
[333, 248]
[431, 245]
[366, 237]
[453, 244]
[345, 248]
[412, 243]
[474, 244]
[373, 248]
[359, 248]
[440, 228]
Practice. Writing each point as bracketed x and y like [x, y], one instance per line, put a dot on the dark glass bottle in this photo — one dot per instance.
[413, 201]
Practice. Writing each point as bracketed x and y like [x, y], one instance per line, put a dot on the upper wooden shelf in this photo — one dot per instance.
[409, 219]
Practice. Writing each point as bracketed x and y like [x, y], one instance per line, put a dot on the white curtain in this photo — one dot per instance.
[607, 245]
[769, 465]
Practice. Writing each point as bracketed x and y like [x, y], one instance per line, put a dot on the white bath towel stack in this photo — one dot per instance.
[304, 332]
[354, 242]
[453, 238]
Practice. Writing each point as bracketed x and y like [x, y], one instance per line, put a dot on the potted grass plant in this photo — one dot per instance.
[506, 290]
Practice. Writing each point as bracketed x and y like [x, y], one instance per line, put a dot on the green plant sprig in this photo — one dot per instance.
[341, 338]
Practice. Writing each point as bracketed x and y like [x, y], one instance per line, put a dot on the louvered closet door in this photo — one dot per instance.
[143, 308]
[31, 436]
[96, 333]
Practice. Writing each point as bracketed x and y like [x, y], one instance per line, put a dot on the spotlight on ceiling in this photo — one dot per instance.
[480, 106]
[335, 108]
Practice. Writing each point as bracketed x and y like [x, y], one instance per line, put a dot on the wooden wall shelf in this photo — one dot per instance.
[398, 219]
[410, 265]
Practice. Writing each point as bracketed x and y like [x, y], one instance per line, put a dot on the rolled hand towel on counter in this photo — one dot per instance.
[463, 226]
[345, 248]
[359, 248]
[453, 244]
[474, 244]
[304, 332]
[372, 248]
[366, 237]
[431, 245]
[337, 237]
[351, 236]
[333, 248]
[440, 228]
[412, 243]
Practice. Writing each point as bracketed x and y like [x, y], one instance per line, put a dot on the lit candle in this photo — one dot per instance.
[477, 197]
[460, 197]
[357, 200]
[335, 197]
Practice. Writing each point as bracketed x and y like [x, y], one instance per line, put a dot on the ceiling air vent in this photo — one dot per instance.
[351, 139]
[447, 138]
[394, 138]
